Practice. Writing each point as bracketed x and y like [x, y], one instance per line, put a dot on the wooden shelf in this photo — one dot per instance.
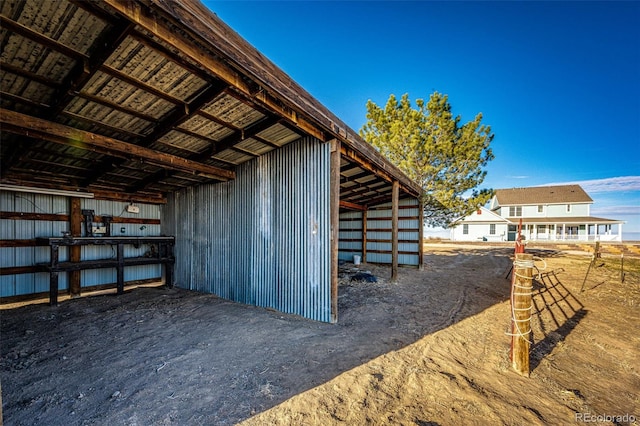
[164, 256]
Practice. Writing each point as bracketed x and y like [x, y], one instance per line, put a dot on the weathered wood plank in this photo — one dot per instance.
[335, 224]
[394, 230]
[75, 253]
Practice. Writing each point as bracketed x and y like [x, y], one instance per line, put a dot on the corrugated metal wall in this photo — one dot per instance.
[30, 283]
[262, 239]
[379, 233]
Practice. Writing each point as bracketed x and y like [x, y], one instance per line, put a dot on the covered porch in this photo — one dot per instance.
[574, 229]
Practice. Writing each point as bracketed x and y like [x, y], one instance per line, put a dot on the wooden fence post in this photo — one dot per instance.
[521, 309]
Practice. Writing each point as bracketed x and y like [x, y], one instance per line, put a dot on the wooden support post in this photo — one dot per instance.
[364, 236]
[622, 267]
[421, 236]
[168, 267]
[395, 193]
[334, 204]
[591, 263]
[120, 269]
[53, 277]
[521, 308]
[75, 252]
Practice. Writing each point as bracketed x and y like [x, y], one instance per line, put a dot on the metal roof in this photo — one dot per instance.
[136, 99]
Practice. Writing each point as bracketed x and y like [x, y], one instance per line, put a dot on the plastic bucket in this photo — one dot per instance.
[356, 259]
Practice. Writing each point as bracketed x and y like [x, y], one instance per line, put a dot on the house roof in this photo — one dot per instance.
[135, 99]
[482, 215]
[560, 194]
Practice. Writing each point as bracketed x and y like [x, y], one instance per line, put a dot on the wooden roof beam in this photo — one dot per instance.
[175, 118]
[28, 75]
[352, 206]
[354, 178]
[25, 125]
[354, 156]
[104, 45]
[135, 12]
[47, 42]
[142, 86]
[238, 136]
[115, 106]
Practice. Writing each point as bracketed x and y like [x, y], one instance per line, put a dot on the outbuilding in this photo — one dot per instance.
[146, 140]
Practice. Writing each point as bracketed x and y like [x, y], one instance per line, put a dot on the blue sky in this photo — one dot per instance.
[558, 82]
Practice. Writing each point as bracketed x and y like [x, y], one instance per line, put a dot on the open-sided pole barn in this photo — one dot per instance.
[124, 121]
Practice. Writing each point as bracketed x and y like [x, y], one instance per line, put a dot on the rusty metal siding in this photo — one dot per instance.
[262, 239]
[23, 284]
[379, 228]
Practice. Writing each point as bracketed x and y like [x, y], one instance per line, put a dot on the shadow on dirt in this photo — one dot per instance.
[161, 356]
[556, 312]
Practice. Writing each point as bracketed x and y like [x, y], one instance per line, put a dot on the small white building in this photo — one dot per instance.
[548, 213]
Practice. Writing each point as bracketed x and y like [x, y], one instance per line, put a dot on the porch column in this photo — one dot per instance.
[563, 235]
[619, 232]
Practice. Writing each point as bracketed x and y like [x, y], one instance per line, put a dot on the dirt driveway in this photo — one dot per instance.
[430, 349]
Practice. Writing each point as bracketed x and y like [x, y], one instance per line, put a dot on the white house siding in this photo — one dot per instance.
[548, 210]
[479, 232]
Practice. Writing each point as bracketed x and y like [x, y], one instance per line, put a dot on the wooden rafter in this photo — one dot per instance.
[142, 86]
[239, 136]
[352, 206]
[47, 42]
[28, 75]
[85, 70]
[23, 124]
[175, 118]
[142, 16]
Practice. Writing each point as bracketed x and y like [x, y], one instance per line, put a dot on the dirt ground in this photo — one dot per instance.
[431, 349]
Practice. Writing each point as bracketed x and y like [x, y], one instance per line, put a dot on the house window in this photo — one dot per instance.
[568, 208]
[492, 229]
[540, 209]
[465, 229]
[515, 211]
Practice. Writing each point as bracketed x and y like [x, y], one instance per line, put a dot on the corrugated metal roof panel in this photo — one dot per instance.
[31, 90]
[60, 21]
[279, 135]
[231, 110]
[109, 116]
[153, 68]
[108, 87]
[232, 156]
[184, 142]
[254, 146]
[207, 128]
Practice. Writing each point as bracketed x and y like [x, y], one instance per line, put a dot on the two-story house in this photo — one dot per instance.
[551, 213]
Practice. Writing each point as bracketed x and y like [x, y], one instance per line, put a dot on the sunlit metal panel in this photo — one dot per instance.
[262, 239]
